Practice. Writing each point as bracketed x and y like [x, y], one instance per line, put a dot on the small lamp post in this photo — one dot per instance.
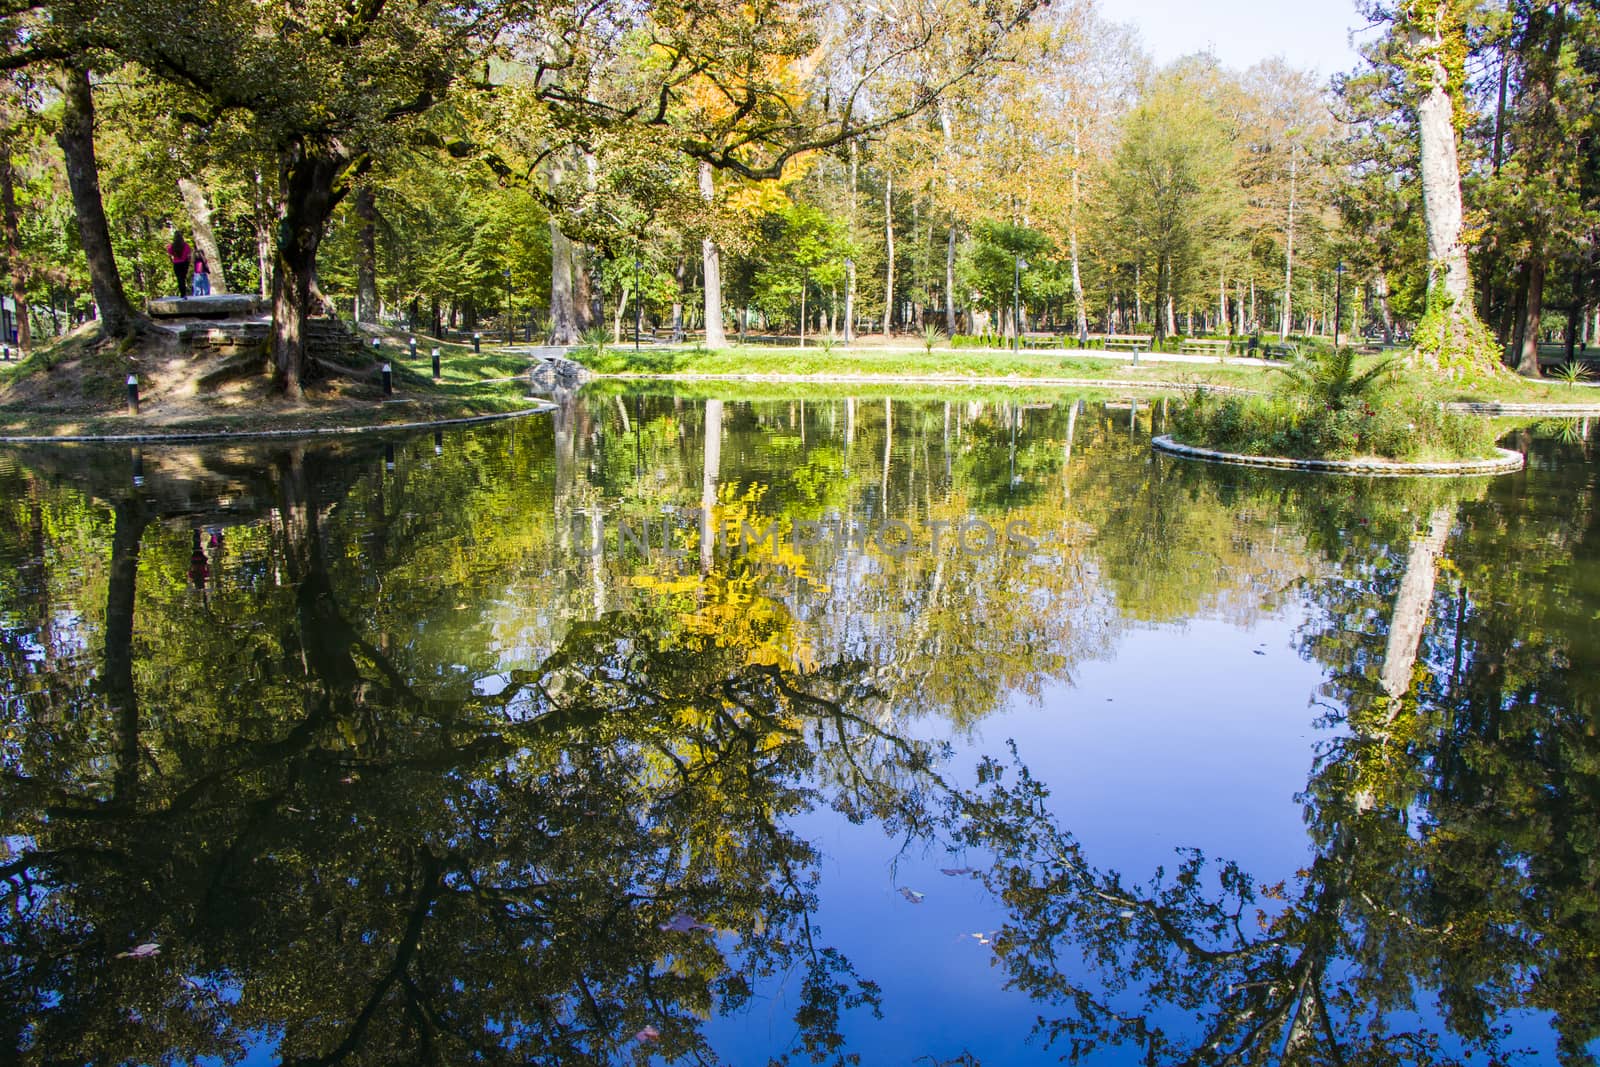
[1016, 303]
[1338, 300]
[510, 316]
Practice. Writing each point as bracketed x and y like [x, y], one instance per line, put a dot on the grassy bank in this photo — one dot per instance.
[767, 361]
[755, 361]
[77, 387]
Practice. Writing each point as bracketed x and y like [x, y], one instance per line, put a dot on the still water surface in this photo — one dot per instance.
[922, 730]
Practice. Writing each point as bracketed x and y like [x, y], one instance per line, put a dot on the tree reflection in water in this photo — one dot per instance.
[352, 852]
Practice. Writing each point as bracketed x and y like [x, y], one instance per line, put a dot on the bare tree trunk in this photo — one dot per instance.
[264, 212]
[76, 138]
[950, 282]
[1383, 307]
[680, 274]
[14, 264]
[1223, 325]
[850, 263]
[563, 304]
[616, 322]
[715, 335]
[205, 238]
[1285, 324]
[1528, 357]
[366, 206]
[888, 230]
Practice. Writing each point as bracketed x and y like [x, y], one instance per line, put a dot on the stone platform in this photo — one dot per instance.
[219, 306]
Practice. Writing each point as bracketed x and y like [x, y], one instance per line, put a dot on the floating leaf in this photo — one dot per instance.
[141, 952]
[957, 872]
[911, 894]
[682, 924]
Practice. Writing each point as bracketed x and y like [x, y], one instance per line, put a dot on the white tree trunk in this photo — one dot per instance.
[715, 337]
[1441, 173]
[205, 238]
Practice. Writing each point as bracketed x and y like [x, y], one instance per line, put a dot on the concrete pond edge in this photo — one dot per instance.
[1507, 462]
[200, 437]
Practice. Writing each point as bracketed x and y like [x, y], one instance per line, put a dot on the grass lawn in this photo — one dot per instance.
[760, 361]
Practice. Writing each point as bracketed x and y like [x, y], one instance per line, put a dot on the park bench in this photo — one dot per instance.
[1280, 351]
[1132, 342]
[1043, 340]
[1202, 347]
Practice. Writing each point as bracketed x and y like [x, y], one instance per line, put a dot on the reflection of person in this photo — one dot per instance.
[202, 275]
[179, 252]
[199, 566]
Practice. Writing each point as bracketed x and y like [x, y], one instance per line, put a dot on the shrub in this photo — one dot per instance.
[1327, 407]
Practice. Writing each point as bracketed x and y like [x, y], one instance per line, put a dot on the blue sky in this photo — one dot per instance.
[1311, 33]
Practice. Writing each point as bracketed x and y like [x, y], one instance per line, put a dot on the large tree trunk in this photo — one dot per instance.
[563, 305]
[308, 177]
[366, 255]
[14, 263]
[715, 337]
[585, 292]
[205, 238]
[563, 302]
[1533, 306]
[76, 138]
[1449, 276]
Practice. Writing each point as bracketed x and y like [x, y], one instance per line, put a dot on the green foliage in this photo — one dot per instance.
[1455, 341]
[933, 337]
[1327, 406]
[596, 343]
[1334, 380]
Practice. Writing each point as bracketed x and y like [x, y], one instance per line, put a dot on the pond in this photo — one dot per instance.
[918, 729]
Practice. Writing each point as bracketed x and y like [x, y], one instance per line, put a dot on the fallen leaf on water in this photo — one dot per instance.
[682, 924]
[957, 872]
[911, 895]
[647, 1035]
[348, 781]
[141, 952]
[1258, 652]
[1125, 914]
[982, 938]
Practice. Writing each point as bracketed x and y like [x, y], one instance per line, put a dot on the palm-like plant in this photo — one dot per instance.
[933, 337]
[1572, 373]
[597, 339]
[1334, 380]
